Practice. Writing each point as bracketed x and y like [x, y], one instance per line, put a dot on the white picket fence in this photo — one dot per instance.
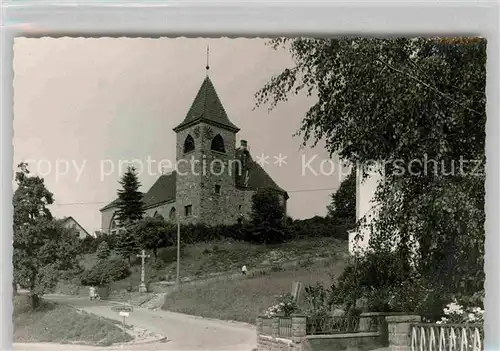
[446, 337]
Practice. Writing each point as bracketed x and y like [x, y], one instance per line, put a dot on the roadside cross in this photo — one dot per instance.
[142, 256]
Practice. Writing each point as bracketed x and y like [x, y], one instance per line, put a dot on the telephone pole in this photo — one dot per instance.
[177, 281]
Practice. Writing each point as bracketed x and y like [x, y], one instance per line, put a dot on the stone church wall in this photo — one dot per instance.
[163, 210]
[188, 176]
[106, 217]
[217, 209]
[244, 198]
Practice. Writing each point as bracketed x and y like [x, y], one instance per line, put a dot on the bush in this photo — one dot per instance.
[372, 278]
[69, 287]
[89, 244]
[307, 262]
[106, 271]
[168, 254]
[318, 300]
[385, 284]
[285, 307]
[316, 227]
[158, 264]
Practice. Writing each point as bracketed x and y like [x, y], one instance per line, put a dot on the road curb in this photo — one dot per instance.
[162, 339]
[231, 323]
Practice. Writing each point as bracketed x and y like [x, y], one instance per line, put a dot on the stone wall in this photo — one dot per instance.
[163, 209]
[188, 175]
[400, 331]
[244, 199]
[272, 340]
[222, 208]
[351, 342]
[392, 333]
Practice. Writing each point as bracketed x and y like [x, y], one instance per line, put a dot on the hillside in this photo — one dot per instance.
[272, 271]
[221, 259]
[243, 299]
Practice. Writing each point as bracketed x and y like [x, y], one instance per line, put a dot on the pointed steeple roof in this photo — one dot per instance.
[208, 108]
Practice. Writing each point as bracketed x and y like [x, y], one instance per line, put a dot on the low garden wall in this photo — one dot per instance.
[370, 331]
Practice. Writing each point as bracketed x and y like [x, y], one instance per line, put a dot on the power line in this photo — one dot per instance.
[107, 202]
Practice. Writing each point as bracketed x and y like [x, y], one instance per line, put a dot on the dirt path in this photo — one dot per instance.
[183, 332]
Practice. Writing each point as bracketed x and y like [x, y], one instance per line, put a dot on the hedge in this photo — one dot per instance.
[292, 230]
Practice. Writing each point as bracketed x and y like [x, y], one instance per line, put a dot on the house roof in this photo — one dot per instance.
[66, 219]
[112, 204]
[163, 190]
[257, 177]
[208, 108]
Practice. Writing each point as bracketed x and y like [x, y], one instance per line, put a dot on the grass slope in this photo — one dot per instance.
[205, 260]
[244, 299]
[62, 324]
[272, 270]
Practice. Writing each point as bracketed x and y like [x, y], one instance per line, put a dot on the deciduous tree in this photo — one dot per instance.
[43, 247]
[153, 233]
[268, 216]
[418, 106]
[342, 208]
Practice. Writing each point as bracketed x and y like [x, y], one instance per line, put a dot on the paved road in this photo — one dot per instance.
[183, 332]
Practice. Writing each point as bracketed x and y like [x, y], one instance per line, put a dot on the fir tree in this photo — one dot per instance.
[126, 245]
[103, 251]
[130, 205]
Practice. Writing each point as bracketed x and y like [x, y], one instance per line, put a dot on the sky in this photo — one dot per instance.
[83, 105]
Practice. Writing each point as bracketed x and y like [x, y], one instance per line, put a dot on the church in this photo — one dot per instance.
[214, 179]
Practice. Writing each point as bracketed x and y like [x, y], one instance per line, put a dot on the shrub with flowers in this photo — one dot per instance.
[285, 307]
[455, 313]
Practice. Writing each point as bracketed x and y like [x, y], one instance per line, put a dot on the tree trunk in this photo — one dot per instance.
[14, 288]
[35, 301]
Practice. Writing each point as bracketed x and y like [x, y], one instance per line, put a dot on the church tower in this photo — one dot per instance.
[206, 141]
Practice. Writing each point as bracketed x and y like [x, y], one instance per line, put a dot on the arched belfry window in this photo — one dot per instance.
[218, 144]
[172, 214]
[188, 144]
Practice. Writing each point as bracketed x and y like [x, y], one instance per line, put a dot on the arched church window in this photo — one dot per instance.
[188, 144]
[218, 144]
[157, 215]
[172, 214]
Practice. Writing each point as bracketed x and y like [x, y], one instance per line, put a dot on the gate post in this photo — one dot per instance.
[400, 331]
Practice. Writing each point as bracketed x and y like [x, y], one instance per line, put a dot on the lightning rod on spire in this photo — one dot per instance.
[208, 57]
